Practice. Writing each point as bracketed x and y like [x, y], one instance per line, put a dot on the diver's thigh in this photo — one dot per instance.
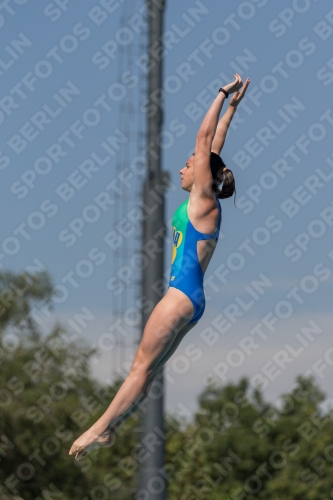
[168, 318]
[173, 346]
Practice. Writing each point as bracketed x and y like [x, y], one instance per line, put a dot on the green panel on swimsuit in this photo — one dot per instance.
[179, 223]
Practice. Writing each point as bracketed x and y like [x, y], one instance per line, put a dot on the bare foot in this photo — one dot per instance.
[90, 441]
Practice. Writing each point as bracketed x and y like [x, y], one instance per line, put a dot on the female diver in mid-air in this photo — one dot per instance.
[196, 226]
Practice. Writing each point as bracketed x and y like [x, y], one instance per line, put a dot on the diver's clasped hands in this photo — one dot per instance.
[237, 89]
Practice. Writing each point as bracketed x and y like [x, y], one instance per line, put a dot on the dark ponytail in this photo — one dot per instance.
[228, 186]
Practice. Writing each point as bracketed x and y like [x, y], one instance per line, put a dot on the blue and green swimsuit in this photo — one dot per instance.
[186, 273]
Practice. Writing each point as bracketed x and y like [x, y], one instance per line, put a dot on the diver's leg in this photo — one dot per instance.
[153, 374]
[167, 319]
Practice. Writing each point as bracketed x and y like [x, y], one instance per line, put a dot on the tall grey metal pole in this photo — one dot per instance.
[152, 481]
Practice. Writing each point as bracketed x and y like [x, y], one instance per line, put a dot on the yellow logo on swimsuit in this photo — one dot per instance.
[177, 241]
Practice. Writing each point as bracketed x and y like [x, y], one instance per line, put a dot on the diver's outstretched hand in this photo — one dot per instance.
[238, 95]
[235, 85]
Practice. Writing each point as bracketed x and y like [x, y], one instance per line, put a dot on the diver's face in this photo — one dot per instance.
[187, 174]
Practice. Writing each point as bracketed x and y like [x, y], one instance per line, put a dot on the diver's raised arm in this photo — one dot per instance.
[223, 124]
[208, 126]
[201, 170]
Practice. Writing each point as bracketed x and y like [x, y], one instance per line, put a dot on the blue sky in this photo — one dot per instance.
[72, 76]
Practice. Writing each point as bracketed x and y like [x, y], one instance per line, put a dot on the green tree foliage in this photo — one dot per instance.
[48, 399]
[17, 293]
[238, 447]
[243, 448]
